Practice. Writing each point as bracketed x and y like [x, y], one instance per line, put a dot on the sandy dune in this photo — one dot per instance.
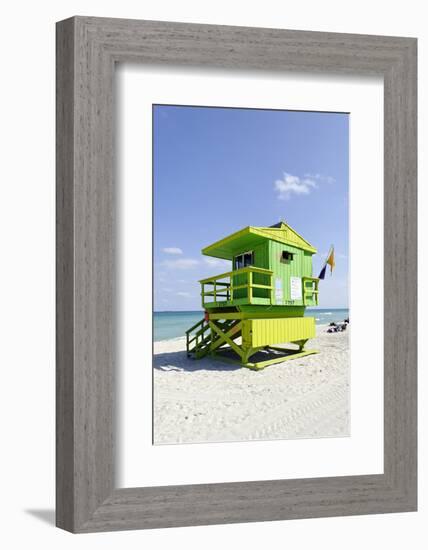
[209, 401]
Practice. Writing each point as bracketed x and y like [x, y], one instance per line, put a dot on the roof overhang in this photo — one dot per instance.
[228, 247]
[250, 237]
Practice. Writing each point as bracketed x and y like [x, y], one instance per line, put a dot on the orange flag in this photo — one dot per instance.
[330, 260]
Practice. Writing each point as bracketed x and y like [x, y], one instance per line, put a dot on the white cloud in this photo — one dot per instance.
[320, 177]
[300, 185]
[294, 184]
[181, 263]
[184, 294]
[172, 250]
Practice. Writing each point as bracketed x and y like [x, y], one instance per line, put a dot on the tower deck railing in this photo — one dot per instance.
[310, 291]
[241, 286]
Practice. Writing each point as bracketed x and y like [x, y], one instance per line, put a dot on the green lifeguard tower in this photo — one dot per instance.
[261, 302]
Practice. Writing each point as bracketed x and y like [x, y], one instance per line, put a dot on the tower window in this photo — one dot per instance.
[244, 260]
[287, 256]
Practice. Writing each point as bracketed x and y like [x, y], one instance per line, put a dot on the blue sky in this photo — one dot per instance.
[218, 170]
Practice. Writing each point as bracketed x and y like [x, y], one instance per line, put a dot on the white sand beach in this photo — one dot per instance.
[206, 400]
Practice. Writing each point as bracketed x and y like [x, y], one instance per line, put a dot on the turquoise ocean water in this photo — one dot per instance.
[173, 324]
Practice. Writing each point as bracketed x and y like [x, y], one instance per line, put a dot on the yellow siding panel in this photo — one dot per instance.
[266, 332]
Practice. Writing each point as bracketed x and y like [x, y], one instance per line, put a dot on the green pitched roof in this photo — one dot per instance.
[251, 236]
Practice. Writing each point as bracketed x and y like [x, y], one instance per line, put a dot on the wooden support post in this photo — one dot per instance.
[212, 336]
[250, 287]
[225, 337]
[301, 344]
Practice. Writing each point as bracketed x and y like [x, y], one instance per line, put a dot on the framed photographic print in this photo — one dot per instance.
[257, 281]
[236, 274]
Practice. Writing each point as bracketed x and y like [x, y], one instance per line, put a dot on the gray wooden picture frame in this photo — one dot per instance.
[87, 51]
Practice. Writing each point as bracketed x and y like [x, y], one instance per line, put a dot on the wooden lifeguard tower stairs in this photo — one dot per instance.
[259, 305]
